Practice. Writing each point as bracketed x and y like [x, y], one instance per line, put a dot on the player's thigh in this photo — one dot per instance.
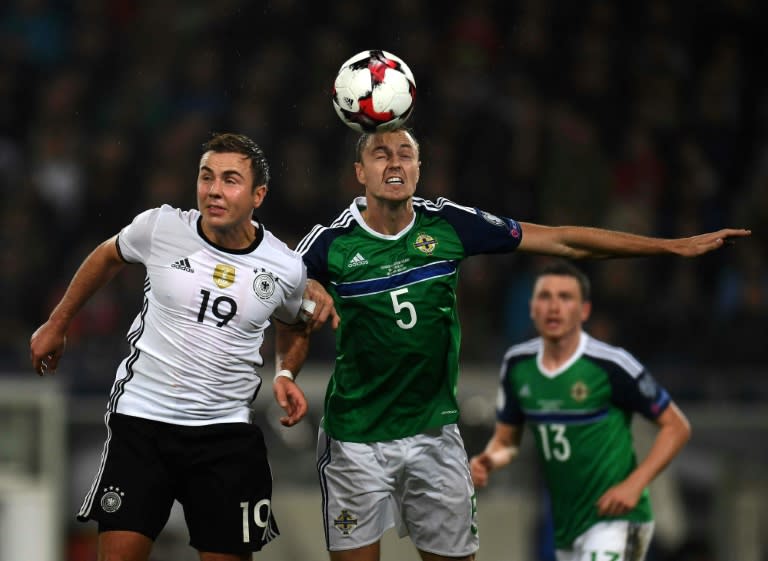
[425, 556]
[133, 488]
[123, 546]
[356, 484]
[437, 496]
[370, 552]
[618, 540]
[208, 556]
[226, 491]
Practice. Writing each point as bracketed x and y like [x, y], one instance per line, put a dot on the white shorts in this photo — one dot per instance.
[421, 484]
[617, 540]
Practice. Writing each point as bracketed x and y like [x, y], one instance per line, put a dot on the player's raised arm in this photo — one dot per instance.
[578, 242]
[47, 343]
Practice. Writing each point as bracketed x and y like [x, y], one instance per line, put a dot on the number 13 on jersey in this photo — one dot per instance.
[554, 444]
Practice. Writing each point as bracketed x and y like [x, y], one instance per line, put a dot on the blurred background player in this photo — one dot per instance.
[178, 417]
[578, 396]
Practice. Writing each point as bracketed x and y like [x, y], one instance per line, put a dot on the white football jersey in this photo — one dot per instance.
[195, 345]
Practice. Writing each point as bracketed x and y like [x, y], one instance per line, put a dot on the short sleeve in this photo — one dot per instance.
[134, 242]
[289, 311]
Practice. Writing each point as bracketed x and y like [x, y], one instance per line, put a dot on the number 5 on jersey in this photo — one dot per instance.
[405, 307]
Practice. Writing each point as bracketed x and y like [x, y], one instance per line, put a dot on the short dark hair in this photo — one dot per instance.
[241, 144]
[565, 268]
[364, 137]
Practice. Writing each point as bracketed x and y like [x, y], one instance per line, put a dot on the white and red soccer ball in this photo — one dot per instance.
[374, 91]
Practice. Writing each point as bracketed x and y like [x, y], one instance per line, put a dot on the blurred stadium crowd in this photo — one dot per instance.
[648, 116]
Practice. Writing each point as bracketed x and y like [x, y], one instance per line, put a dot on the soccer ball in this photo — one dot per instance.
[374, 91]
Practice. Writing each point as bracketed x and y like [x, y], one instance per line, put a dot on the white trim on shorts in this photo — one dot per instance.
[630, 539]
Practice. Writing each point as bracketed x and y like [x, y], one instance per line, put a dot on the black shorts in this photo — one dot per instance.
[219, 473]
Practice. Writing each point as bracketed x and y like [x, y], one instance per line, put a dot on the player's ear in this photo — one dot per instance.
[258, 195]
[586, 310]
[360, 173]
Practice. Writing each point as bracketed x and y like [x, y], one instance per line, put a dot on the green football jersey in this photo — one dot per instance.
[580, 417]
[397, 348]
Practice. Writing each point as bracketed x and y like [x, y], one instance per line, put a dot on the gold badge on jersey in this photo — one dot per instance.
[224, 275]
[425, 243]
[579, 391]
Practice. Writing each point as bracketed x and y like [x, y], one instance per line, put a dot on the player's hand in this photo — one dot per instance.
[291, 398]
[324, 308]
[480, 467]
[619, 499]
[704, 243]
[46, 347]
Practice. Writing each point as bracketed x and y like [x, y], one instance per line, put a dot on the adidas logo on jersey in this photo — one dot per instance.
[357, 260]
[525, 391]
[183, 265]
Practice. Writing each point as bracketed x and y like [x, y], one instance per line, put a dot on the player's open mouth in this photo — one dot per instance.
[394, 180]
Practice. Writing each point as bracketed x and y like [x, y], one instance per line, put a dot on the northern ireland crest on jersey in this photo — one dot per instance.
[425, 243]
[263, 284]
[224, 275]
[579, 391]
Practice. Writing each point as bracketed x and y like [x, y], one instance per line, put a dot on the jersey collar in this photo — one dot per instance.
[360, 204]
[583, 338]
[258, 230]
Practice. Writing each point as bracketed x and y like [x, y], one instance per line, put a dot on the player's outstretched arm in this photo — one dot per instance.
[579, 242]
[694, 246]
[674, 432]
[47, 343]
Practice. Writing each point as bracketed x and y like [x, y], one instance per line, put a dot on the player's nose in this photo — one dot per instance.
[215, 187]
